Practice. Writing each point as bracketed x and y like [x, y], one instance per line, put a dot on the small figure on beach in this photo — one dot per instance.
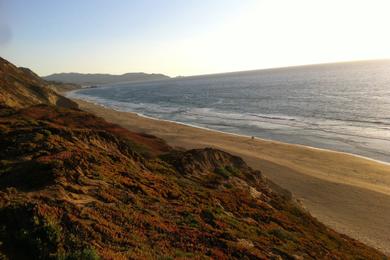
[253, 138]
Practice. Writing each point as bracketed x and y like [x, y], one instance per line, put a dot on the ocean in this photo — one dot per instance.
[341, 106]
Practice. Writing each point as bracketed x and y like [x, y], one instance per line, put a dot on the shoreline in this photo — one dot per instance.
[246, 137]
[242, 135]
[348, 193]
[229, 133]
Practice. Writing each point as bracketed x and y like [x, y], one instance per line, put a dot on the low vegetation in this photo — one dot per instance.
[73, 186]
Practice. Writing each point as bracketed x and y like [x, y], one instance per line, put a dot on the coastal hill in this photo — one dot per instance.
[101, 79]
[73, 186]
[20, 87]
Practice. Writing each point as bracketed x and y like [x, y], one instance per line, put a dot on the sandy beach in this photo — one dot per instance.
[350, 194]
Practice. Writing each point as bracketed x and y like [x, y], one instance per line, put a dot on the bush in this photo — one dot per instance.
[232, 170]
[138, 148]
[34, 234]
[5, 166]
[182, 254]
[281, 234]
[189, 220]
[47, 133]
[85, 254]
[222, 172]
[228, 186]
[208, 217]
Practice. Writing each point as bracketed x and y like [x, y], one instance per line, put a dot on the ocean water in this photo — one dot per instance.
[341, 106]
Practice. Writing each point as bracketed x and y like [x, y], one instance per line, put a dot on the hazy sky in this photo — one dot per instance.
[188, 37]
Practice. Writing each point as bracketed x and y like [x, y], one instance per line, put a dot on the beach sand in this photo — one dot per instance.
[348, 193]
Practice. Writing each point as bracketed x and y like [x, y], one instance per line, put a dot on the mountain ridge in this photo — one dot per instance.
[103, 78]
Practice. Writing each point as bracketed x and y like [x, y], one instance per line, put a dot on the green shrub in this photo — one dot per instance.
[47, 133]
[5, 166]
[85, 254]
[222, 172]
[281, 234]
[189, 220]
[157, 165]
[36, 235]
[208, 217]
[299, 214]
[228, 186]
[232, 170]
[183, 254]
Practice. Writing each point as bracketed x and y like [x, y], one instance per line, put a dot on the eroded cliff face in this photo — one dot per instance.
[20, 87]
[76, 187]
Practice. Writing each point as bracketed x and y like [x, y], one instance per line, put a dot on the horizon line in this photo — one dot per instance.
[226, 72]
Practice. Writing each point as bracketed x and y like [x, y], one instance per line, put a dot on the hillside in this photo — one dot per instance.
[100, 79]
[70, 190]
[20, 87]
[73, 186]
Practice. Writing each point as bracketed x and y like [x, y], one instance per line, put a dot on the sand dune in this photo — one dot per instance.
[348, 193]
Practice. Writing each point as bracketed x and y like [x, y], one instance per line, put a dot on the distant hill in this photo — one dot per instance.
[100, 79]
[20, 87]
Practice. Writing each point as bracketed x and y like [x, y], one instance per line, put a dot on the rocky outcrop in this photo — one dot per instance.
[205, 160]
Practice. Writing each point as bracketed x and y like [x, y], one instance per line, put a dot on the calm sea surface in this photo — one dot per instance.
[343, 107]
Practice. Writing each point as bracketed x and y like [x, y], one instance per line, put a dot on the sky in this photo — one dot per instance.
[192, 37]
